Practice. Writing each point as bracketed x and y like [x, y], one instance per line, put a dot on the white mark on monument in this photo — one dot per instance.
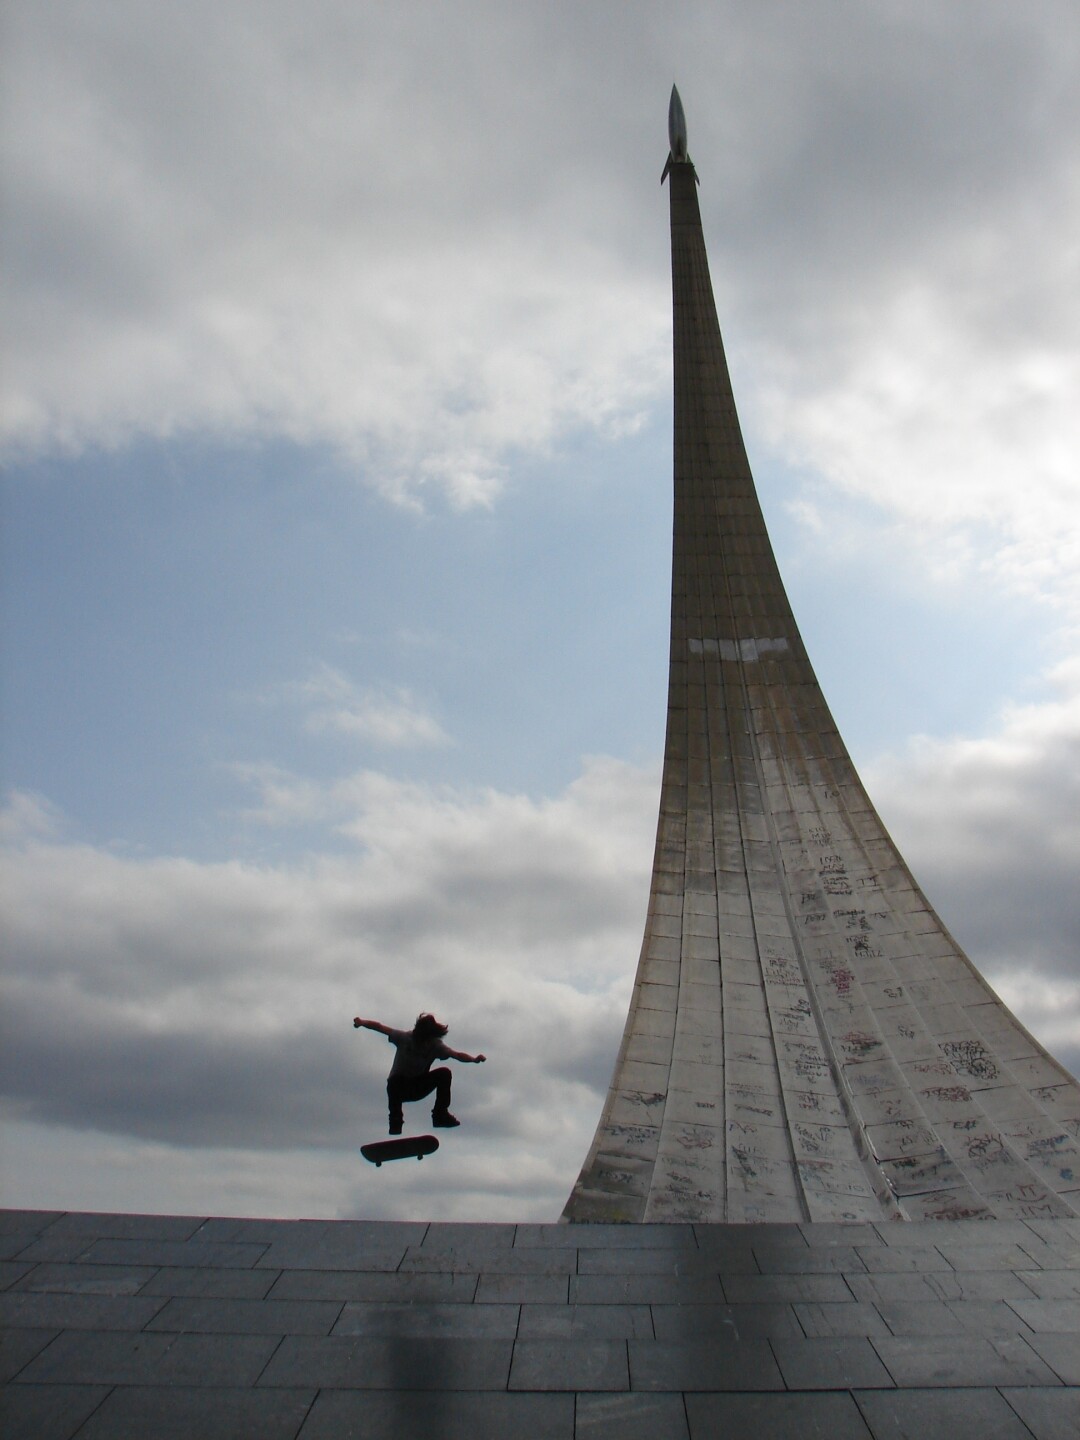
[737, 649]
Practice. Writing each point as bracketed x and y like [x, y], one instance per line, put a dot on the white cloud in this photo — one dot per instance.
[26, 816]
[385, 719]
[970, 448]
[1050, 1007]
[386, 716]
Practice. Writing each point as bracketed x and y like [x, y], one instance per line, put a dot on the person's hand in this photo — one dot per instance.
[480, 1059]
[357, 1022]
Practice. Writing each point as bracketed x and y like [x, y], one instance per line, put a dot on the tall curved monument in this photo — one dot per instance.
[806, 1040]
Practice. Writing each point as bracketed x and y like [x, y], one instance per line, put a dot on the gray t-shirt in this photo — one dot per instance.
[414, 1057]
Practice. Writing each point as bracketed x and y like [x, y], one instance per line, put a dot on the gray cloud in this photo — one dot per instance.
[990, 828]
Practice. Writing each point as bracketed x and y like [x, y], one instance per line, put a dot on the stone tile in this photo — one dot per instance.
[462, 1260]
[732, 1256]
[76, 1312]
[938, 1317]
[1052, 1257]
[902, 1289]
[14, 1243]
[19, 1347]
[1069, 1258]
[1061, 1353]
[807, 1260]
[12, 1271]
[373, 1415]
[219, 1229]
[1051, 1284]
[983, 1233]
[939, 1415]
[821, 1416]
[853, 1318]
[987, 1317]
[886, 1259]
[490, 1321]
[210, 1284]
[785, 1289]
[735, 1322]
[586, 1322]
[118, 1358]
[480, 1236]
[631, 1417]
[329, 1252]
[957, 1232]
[91, 1226]
[775, 1233]
[358, 1237]
[830, 1363]
[339, 1362]
[967, 1360]
[986, 1257]
[392, 1289]
[47, 1412]
[1063, 1315]
[633, 1237]
[134, 1412]
[67, 1279]
[569, 1365]
[645, 1290]
[47, 1248]
[1048, 1414]
[522, 1290]
[980, 1285]
[28, 1222]
[204, 1255]
[703, 1365]
[671, 1261]
[841, 1233]
[208, 1316]
[1056, 1231]
[1064, 1250]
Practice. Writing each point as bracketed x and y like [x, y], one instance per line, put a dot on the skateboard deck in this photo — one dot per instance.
[399, 1148]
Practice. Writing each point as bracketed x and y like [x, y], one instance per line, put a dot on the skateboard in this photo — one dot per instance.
[399, 1148]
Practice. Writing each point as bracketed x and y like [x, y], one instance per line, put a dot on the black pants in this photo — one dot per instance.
[415, 1087]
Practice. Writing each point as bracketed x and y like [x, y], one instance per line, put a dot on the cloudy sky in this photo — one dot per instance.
[337, 502]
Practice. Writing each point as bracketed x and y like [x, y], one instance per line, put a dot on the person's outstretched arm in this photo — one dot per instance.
[468, 1059]
[371, 1025]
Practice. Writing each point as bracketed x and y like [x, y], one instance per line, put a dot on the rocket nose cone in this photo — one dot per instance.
[676, 124]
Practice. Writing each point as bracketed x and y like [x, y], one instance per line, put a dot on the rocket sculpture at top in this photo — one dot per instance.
[805, 1040]
[676, 129]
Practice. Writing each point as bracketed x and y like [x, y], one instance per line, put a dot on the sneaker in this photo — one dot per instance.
[396, 1126]
[443, 1120]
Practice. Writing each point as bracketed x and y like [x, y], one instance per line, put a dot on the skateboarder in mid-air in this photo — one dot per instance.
[411, 1076]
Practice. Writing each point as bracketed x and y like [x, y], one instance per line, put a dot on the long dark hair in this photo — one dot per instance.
[428, 1028]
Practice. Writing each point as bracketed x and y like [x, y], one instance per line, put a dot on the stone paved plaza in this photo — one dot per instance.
[147, 1326]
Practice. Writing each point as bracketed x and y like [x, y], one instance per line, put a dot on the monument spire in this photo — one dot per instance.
[805, 1039]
